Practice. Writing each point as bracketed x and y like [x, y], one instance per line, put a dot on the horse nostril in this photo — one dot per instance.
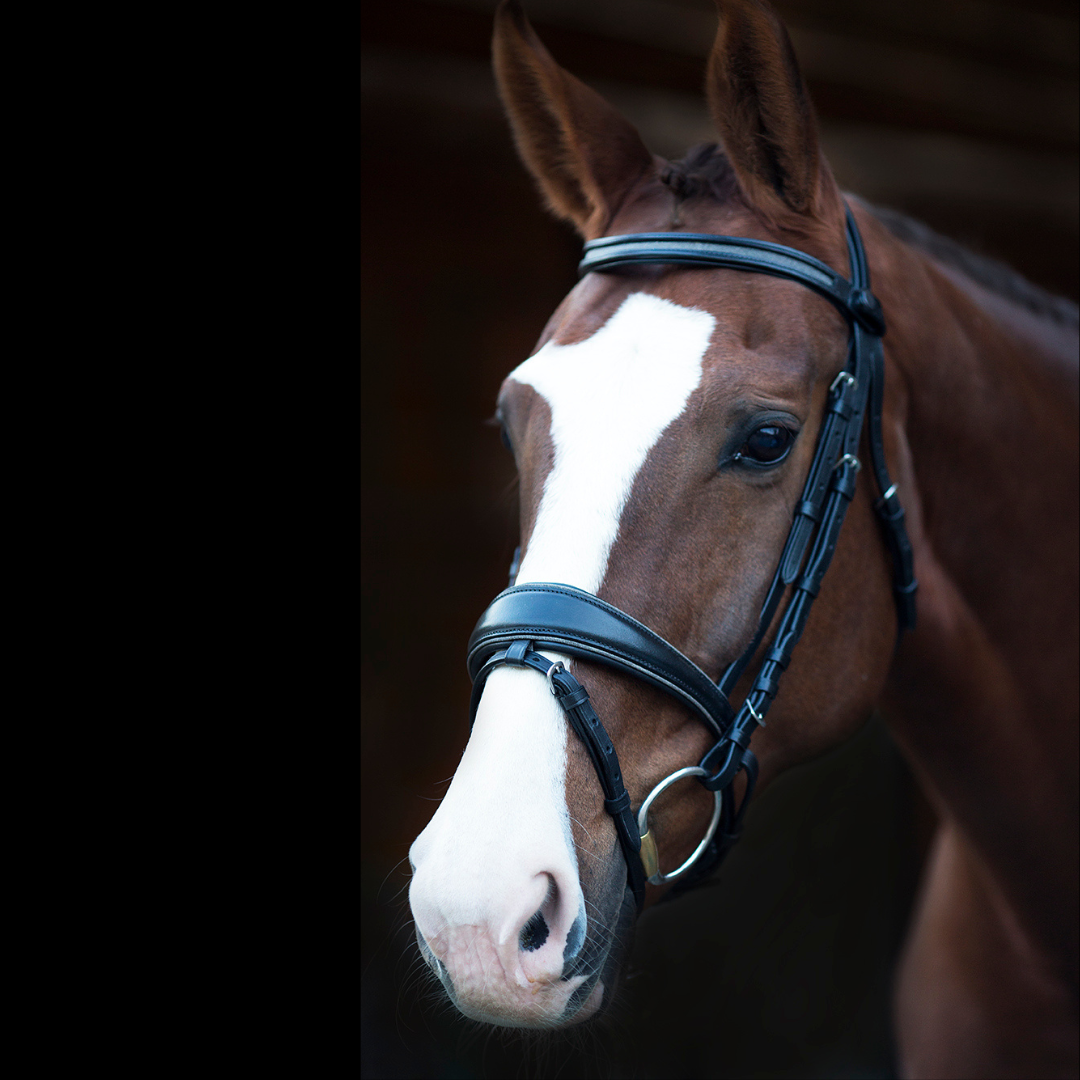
[574, 940]
[534, 933]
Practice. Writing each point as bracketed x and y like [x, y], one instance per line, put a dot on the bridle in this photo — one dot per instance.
[525, 618]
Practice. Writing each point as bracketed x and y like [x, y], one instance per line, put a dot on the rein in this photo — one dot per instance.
[525, 618]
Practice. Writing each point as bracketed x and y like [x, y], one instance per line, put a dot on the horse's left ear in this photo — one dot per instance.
[762, 108]
[583, 153]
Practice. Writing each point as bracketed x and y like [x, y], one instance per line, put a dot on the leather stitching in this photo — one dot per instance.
[542, 636]
[605, 607]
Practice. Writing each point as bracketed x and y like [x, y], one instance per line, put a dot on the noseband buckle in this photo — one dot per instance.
[551, 673]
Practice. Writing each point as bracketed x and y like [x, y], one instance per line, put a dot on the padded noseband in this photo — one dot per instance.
[568, 620]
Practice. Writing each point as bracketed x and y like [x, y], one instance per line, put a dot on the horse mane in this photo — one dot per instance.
[705, 170]
[985, 271]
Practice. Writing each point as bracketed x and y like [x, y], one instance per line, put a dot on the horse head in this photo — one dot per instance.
[663, 432]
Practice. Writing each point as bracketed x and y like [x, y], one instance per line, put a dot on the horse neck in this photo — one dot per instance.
[983, 696]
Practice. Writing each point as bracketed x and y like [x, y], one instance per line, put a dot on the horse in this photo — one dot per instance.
[666, 431]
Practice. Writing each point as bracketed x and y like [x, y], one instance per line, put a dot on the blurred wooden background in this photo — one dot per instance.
[962, 113]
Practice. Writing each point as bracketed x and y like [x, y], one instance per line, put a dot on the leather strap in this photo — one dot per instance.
[574, 700]
[843, 414]
[738, 253]
[888, 508]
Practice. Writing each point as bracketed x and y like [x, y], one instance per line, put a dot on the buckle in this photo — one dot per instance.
[551, 673]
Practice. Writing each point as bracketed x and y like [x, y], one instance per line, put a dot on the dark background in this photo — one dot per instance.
[963, 114]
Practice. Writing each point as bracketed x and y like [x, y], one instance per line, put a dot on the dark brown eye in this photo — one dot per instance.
[768, 445]
[506, 439]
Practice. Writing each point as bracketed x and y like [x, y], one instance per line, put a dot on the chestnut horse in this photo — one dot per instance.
[662, 431]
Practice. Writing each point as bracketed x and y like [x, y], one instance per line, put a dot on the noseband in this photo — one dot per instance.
[526, 618]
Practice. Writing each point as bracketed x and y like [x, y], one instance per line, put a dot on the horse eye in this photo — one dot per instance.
[768, 445]
[506, 439]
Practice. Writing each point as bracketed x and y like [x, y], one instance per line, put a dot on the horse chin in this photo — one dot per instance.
[580, 995]
[582, 1002]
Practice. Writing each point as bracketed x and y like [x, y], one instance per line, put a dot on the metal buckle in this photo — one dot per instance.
[754, 713]
[551, 673]
[848, 459]
[650, 857]
[845, 376]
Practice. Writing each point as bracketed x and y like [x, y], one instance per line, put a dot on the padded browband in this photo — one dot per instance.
[759, 256]
[568, 620]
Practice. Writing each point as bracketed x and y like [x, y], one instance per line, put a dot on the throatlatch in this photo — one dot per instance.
[525, 618]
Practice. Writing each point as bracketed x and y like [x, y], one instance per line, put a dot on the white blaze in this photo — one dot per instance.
[503, 830]
[611, 396]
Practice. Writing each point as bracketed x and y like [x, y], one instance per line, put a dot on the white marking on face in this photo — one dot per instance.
[503, 831]
[611, 396]
[502, 809]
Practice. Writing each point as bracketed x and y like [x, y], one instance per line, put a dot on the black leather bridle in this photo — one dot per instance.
[525, 618]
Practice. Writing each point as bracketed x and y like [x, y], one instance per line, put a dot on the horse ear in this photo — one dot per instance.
[584, 155]
[762, 108]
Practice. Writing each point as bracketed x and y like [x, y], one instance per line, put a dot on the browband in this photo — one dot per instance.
[700, 249]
